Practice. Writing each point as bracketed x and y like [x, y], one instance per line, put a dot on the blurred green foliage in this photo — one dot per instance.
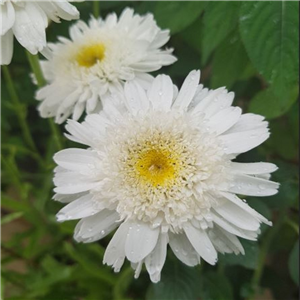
[250, 47]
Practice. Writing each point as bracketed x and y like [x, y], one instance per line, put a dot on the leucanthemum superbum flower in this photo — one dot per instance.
[97, 60]
[160, 168]
[27, 21]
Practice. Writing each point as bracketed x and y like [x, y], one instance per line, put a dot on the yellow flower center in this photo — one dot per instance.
[157, 167]
[88, 56]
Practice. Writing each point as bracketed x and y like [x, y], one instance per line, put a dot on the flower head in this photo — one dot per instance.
[27, 21]
[159, 167]
[98, 59]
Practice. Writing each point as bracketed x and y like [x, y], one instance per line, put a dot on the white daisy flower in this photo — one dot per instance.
[98, 59]
[159, 168]
[27, 21]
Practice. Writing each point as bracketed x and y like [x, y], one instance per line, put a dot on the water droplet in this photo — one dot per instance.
[102, 232]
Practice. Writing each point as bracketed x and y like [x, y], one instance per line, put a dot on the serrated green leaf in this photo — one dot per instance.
[177, 15]
[220, 18]
[178, 282]
[229, 62]
[270, 34]
[270, 106]
[294, 263]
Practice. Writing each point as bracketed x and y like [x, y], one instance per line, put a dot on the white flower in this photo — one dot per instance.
[27, 21]
[98, 59]
[160, 169]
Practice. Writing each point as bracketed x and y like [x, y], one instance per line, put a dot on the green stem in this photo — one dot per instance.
[96, 8]
[12, 170]
[37, 71]
[267, 240]
[21, 113]
[292, 224]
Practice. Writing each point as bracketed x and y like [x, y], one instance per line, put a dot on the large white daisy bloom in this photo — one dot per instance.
[97, 60]
[159, 168]
[27, 21]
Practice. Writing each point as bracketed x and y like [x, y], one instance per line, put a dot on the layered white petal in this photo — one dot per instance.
[187, 91]
[77, 209]
[115, 252]
[7, 13]
[183, 249]
[202, 244]
[7, 46]
[96, 227]
[140, 241]
[155, 260]
[160, 94]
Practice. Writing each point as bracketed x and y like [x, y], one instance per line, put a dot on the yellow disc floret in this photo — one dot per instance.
[157, 166]
[88, 56]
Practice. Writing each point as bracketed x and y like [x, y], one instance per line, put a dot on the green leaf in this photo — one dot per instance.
[11, 217]
[282, 141]
[270, 34]
[220, 18]
[86, 260]
[288, 193]
[229, 62]
[249, 260]
[177, 15]
[294, 263]
[271, 106]
[216, 287]
[178, 282]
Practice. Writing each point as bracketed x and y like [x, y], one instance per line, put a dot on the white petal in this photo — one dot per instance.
[67, 198]
[225, 242]
[253, 186]
[155, 260]
[246, 234]
[144, 80]
[161, 93]
[96, 227]
[218, 103]
[29, 27]
[7, 46]
[135, 98]
[187, 91]
[66, 11]
[76, 159]
[224, 119]
[237, 216]
[115, 251]
[80, 208]
[243, 141]
[140, 241]
[207, 98]
[253, 168]
[183, 249]
[7, 13]
[237, 201]
[201, 243]
[248, 122]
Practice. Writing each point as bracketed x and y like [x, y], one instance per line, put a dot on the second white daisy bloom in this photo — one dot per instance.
[97, 60]
[27, 21]
[159, 168]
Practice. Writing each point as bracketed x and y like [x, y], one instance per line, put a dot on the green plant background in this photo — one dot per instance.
[249, 47]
